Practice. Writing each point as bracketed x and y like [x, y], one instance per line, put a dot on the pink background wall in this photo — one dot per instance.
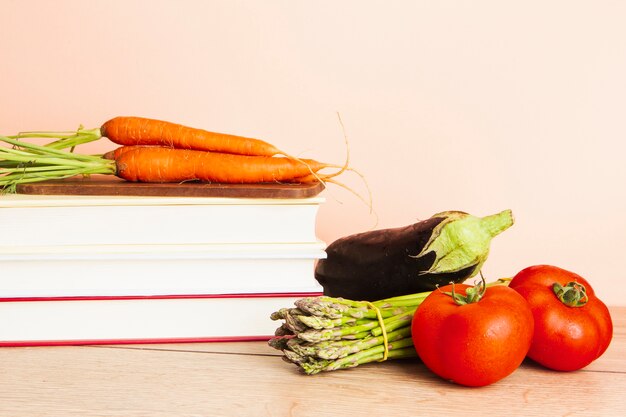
[470, 105]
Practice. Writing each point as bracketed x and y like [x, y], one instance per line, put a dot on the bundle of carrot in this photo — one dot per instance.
[155, 151]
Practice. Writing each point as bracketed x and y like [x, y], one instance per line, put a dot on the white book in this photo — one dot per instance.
[155, 270]
[36, 220]
[140, 320]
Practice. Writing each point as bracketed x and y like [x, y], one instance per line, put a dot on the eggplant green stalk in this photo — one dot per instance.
[462, 240]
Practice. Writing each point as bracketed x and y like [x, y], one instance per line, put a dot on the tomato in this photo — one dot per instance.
[477, 343]
[569, 333]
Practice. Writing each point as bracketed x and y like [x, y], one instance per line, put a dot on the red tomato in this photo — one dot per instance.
[475, 344]
[566, 337]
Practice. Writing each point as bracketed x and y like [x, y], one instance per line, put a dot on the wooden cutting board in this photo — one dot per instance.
[113, 186]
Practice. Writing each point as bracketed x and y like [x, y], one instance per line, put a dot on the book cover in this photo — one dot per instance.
[120, 320]
[36, 220]
[148, 270]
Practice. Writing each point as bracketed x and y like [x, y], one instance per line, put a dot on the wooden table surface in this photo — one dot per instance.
[250, 379]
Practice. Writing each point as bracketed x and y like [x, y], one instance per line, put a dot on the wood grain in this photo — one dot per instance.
[249, 379]
[113, 186]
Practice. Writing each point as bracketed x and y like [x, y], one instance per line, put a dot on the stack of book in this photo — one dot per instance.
[78, 269]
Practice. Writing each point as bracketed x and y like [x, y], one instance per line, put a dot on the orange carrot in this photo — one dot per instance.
[161, 164]
[142, 131]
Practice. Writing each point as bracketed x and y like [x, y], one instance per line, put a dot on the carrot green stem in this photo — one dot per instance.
[34, 148]
[35, 168]
[26, 162]
[67, 139]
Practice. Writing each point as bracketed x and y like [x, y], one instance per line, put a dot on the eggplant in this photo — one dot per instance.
[448, 247]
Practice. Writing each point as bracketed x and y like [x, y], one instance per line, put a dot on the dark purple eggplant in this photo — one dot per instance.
[448, 247]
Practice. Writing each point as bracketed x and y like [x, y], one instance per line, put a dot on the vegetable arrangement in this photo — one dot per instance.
[471, 335]
[327, 333]
[156, 151]
[388, 294]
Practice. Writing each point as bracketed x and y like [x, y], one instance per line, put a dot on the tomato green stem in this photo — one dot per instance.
[572, 294]
[472, 294]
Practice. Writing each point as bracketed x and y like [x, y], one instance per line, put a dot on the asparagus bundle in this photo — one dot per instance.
[327, 333]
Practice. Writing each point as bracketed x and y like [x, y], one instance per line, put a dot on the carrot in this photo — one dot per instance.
[161, 164]
[142, 131]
